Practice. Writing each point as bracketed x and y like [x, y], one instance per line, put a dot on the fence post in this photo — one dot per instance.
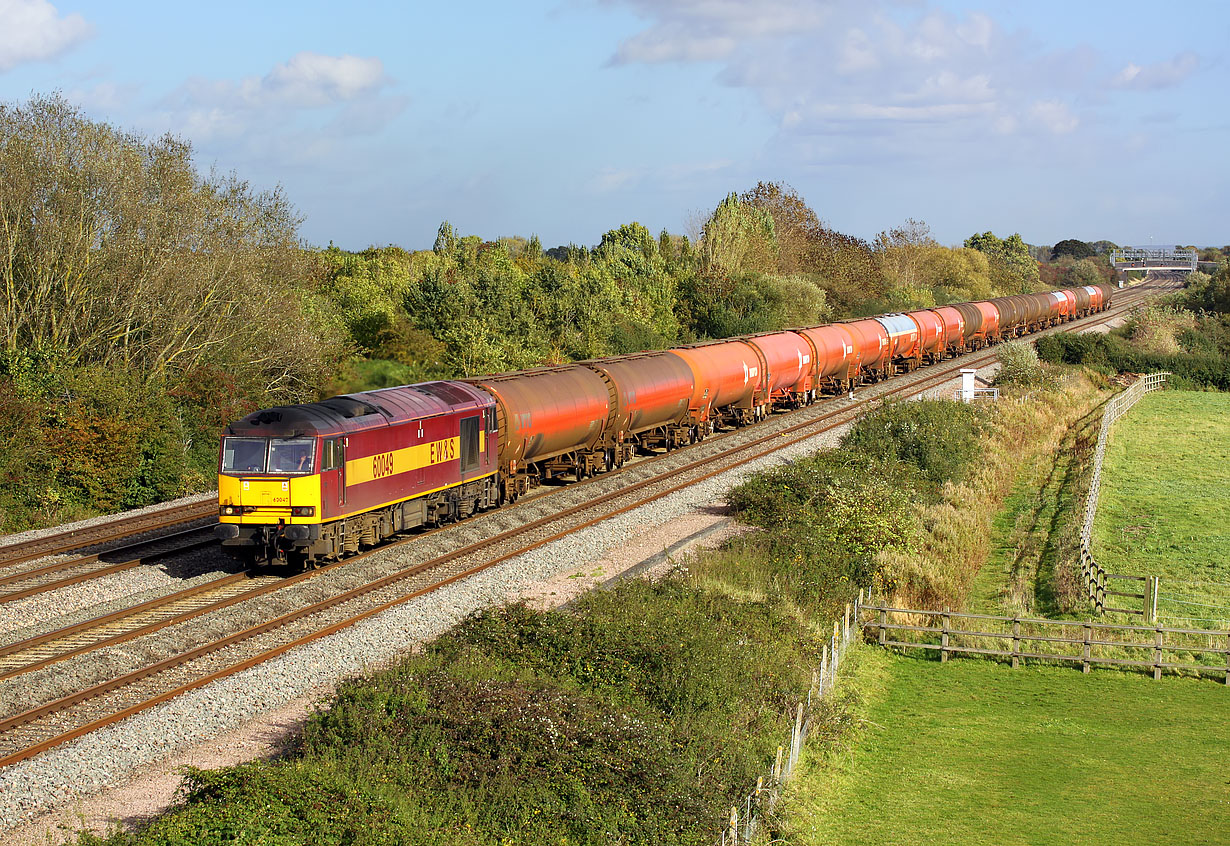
[777, 766]
[797, 737]
[883, 625]
[1157, 655]
[1085, 649]
[944, 636]
[1227, 659]
[734, 824]
[1016, 642]
[845, 630]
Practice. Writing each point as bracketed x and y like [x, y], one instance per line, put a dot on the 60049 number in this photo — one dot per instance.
[382, 465]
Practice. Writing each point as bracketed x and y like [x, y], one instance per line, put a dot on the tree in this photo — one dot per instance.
[115, 252]
[1074, 248]
[900, 252]
[738, 238]
[1013, 269]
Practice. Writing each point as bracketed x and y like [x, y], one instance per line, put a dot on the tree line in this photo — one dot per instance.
[144, 304]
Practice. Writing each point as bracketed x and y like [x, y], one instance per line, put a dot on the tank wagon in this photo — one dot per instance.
[551, 421]
[310, 483]
[729, 383]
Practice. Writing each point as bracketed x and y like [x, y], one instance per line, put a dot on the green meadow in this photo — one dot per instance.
[973, 752]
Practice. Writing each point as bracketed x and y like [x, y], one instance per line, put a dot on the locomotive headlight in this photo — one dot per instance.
[228, 510]
[303, 511]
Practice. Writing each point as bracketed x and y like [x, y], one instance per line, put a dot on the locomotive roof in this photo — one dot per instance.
[362, 411]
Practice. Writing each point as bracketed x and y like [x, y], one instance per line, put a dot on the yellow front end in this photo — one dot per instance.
[269, 501]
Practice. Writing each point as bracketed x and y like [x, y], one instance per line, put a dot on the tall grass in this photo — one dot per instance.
[941, 567]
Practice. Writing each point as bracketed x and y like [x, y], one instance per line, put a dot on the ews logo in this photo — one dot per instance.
[443, 451]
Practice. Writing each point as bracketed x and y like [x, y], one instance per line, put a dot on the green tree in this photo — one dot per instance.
[1074, 248]
[115, 252]
[1013, 270]
[739, 237]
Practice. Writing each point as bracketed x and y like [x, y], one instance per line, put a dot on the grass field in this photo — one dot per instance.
[1165, 503]
[973, 752]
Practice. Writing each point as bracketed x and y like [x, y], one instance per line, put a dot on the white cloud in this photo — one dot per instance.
[1054, 116]
[857, 53]
[33, 30]
[310, 79]
[303, 112]
[904, 78]
[611, 180]
[711, 30]
[307, 81]
[1159, 75]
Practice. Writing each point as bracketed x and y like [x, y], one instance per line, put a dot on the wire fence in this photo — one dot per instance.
[1178, 602]
[1185, 601]
[747, 816]
[1095, 577]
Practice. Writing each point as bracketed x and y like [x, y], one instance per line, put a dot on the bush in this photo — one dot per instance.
[1018, 364]
[938, 438]
[1112, 353]
[633, 719]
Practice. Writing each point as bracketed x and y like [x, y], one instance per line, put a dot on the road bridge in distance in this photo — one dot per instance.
[1174, 259]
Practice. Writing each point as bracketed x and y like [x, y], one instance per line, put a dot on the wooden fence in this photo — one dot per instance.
[1018, 638]
[1094, 575]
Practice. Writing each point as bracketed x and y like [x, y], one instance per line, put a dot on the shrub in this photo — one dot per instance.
[633, 719]
[1018, 364]
[938, 438]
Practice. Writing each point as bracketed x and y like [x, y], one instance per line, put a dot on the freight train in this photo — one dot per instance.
[307, 484]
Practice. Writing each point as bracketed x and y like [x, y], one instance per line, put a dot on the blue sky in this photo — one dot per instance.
[567, 118]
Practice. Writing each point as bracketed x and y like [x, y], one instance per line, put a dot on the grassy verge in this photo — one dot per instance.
[972, 752]
[956, 541]
[1035, 536]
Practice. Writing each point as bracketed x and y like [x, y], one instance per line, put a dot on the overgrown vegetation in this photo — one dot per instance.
[971, 751]
[632, 719]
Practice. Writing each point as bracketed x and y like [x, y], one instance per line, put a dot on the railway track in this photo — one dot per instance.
[12, 554]
[57, 721]
[73, 571]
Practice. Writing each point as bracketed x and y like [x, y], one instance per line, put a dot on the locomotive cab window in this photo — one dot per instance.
[332, 459]
[244, 455]
[291, 455]
[469, 444]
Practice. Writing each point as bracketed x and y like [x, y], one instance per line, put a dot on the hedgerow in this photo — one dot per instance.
[633, 718]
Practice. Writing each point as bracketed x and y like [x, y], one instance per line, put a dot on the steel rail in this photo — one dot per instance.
[324, 605]
[108, 570]
[73, 539]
